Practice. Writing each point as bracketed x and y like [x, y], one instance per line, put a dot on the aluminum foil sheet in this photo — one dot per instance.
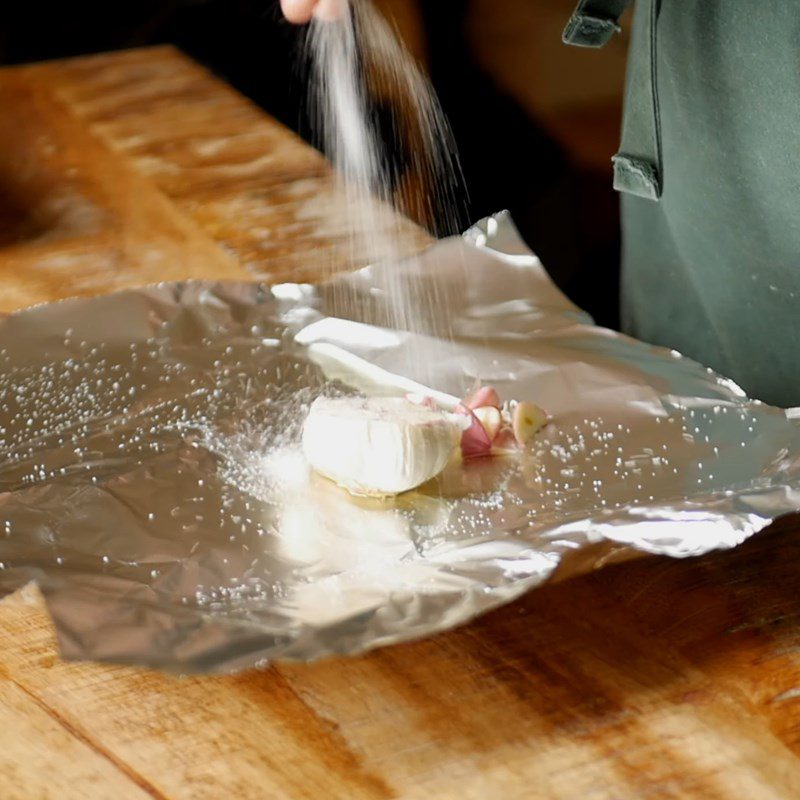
[152, 485]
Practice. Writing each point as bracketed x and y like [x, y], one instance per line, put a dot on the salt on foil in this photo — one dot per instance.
[152, 485]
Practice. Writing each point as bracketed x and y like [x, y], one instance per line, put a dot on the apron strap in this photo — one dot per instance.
[594, 22]
[638, 167]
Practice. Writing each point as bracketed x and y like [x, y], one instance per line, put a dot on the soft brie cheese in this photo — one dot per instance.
[378, 446]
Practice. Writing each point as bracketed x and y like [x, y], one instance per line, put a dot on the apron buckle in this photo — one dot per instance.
[594, 22]
[587, 30]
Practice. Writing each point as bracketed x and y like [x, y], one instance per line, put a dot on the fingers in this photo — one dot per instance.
[330, 10]
[301, 11]
[298, 11]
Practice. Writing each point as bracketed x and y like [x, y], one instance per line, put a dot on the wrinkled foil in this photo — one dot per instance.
[152, 485]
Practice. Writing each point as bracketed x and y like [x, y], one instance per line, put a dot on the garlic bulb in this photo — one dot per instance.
[378, 446]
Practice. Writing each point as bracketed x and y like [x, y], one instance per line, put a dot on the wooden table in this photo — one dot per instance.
[652, 679]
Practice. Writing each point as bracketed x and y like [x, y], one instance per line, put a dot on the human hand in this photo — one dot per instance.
[301, 11]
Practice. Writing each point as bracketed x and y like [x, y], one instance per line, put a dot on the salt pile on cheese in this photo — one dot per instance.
[379, 446]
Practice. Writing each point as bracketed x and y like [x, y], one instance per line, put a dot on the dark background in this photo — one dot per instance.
[548, 164]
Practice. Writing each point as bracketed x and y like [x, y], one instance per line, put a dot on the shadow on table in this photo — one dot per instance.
[606, 658]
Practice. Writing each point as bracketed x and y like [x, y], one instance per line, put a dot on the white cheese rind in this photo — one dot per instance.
[378, 446]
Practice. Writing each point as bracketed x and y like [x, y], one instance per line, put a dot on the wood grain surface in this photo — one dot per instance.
[652, 679]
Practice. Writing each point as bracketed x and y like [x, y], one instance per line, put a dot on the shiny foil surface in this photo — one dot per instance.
[152, 483]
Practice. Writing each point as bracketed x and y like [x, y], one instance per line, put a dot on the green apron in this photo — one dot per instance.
[709, 168]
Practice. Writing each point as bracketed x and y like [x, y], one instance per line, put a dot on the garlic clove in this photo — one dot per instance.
[490, 418]
[475, 441]
[527, 420]
[485, 396]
